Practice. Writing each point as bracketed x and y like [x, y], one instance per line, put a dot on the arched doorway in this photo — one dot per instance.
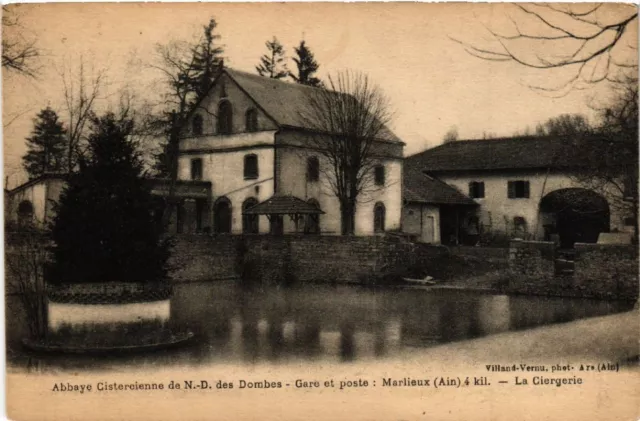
[250, 223]
[575, 215]
[25, 213]
[222, 216]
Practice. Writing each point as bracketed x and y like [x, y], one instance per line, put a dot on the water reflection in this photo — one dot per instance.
[318, 322]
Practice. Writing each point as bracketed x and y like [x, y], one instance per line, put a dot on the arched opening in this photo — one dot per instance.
[379, 213]
[225, 118]
[312, 221]
[25, 213]
[250, 223]
[222, 216]
[574, 215]
[251, 120]
[196, 125]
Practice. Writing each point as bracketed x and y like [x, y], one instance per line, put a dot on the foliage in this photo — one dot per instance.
[307, 66]
[46, 146]
[207, 57]
[347, 119]
[105, 229]
[564, 125]
[26, 260]
[451, 135]
[188, 71]
[611, 155]
[273, 64]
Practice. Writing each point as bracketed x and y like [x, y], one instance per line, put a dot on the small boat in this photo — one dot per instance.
[428, 280]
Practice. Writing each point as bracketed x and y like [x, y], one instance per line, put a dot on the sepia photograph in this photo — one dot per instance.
[324, 211]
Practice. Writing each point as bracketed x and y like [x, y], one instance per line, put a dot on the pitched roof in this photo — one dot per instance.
[41, 178]
[497, 154]
[282, 101]
[418, 187]
[283, 205]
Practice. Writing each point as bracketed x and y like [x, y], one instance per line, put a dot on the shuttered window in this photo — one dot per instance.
[518, 189]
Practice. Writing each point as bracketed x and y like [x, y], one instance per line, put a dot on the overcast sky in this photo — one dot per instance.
[432, 83]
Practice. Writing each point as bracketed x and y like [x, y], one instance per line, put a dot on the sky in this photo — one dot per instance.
[407, 49]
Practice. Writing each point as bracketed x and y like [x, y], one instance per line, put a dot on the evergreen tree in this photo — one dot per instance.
[207, 57]
[47, 145]
[307, 66]
[105, 229]
[273, 64]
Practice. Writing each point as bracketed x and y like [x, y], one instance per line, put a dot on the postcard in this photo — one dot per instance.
[324, 211]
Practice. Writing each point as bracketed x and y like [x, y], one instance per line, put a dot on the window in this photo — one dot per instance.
[225, 118]
[312, 221]
[518, 189]
[196, 169]
[379, 175]
[25, 213]
[250, 167]
[476, 189]
[250, 223]
[313, 168]
[251, 120]
[196, 125]
[379, 214]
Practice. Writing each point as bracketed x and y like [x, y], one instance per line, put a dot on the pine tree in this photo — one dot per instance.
[307, 66]
[207, 57]
[273, 64]
[105, 229]
[47, 145]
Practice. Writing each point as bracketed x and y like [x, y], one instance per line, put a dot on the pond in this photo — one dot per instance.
[316, 323]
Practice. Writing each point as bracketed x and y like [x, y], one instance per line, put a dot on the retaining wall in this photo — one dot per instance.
[600, 271]
[306, 258]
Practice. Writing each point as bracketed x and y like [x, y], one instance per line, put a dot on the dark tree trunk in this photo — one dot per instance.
[347, 217]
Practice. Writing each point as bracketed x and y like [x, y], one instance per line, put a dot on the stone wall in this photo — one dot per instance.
[531, 259]
[607, 270]
[600, 271]
[305, 258]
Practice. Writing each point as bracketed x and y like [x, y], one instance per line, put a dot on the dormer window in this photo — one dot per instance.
[251, 120]
[225, 118]
[196, 125]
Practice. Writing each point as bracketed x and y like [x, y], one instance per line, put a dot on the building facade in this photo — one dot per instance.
[526, 188]
[248, 138]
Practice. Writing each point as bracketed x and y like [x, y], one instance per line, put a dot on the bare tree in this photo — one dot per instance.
[564, 125]
[81, 90]
[19, 53]
[593, 39]
[26, 258]
[451, 135]
[611, 156]
[348, 119]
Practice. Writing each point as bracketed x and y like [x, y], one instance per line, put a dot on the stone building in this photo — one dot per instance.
[32, 203]
[249, 139]
[524, 187]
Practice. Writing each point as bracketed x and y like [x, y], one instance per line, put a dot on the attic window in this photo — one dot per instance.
[225, 118]
[197, 125]
[251, 120]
